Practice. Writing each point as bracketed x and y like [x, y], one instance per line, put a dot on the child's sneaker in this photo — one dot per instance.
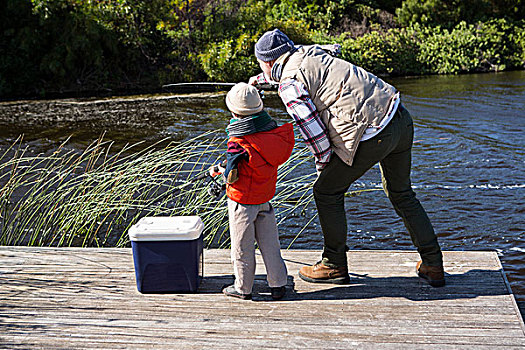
[278, 292]
[232, 292]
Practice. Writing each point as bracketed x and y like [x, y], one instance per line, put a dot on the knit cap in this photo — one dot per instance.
[271, 45]
[244, 99]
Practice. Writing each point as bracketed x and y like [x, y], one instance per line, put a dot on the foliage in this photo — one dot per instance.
[500, 44]
[448, 13]
[79, 45]
[230, 59]
[492, 46]
[393, 52]
[52, 46]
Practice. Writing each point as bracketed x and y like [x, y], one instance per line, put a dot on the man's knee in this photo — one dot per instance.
[318, 190]
[403, 199]
[325, 196]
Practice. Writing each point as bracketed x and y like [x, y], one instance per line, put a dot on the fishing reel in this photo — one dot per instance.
[215, 188]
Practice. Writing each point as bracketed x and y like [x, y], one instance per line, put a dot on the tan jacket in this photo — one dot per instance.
[347, 97]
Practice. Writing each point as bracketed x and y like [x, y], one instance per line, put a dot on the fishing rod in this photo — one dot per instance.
[214, 85]
[211, 84]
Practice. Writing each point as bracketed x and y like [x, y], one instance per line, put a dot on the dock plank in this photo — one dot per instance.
[65, 298]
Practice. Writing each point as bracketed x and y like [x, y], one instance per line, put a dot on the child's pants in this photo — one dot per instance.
[250, 223]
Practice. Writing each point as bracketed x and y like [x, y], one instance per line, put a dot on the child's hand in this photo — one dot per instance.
[215, 170]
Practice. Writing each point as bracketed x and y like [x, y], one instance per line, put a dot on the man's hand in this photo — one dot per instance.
[253, 80]
[332, 49]
[337, 50]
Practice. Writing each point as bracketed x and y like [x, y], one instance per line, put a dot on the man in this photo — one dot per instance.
[350, 120]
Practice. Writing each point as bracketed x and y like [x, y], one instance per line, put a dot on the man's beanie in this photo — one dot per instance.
[244, 99]
[271, 45]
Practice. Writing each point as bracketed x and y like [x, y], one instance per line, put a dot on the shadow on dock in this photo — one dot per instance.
[471, 284]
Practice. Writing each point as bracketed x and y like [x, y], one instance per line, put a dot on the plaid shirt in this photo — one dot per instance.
[302, 109]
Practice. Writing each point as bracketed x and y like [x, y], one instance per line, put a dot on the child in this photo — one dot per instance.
[256, 147]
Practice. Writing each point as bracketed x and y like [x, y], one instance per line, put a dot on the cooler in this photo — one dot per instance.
[167, 253]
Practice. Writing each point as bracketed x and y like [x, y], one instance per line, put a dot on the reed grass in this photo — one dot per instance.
[91, 198]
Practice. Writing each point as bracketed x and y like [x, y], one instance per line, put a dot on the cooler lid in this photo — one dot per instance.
[166, 228]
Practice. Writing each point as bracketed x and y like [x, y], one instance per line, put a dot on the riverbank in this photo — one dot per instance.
[73, 48]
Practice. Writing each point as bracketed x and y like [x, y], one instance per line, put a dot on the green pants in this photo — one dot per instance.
[392, 149]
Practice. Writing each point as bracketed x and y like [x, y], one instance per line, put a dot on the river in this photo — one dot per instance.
[468, 156]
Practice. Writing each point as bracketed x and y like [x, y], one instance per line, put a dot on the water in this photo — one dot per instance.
[467, 160]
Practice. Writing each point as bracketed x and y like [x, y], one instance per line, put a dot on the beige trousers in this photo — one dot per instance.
[248, 224]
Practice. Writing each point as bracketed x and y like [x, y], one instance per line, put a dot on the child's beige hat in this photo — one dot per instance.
[244, 99]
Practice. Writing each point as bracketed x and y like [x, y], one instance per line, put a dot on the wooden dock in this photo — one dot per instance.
[73, 298]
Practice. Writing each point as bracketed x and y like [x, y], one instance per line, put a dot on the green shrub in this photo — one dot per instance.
[230, 60]
[229, 56]
[449, 13]
[492, 46]
[519, 35]
[393, 52]
[489, 46]
[443, 51]
[73, 45]
[500, 45]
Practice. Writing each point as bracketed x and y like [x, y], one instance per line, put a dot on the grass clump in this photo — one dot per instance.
[91, 198]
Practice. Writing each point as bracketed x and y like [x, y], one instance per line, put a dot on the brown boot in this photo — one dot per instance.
[320, 273]
[435, 275]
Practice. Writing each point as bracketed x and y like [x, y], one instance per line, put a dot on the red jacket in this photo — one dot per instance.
[258, 175]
